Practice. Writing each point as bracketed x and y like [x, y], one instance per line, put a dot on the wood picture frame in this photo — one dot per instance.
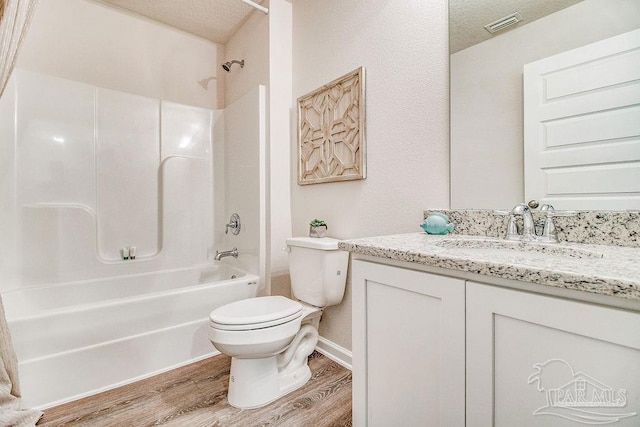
[331, 131]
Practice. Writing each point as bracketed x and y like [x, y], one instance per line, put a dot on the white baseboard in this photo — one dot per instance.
[333, 351]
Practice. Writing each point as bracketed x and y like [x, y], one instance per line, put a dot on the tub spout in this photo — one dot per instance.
[233, 252]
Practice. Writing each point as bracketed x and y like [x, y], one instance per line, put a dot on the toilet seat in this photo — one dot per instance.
[255, 313]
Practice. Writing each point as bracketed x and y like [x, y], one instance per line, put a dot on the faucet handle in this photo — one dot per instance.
[512, 229]
[564, 213]
[550, 211]
[550, 233]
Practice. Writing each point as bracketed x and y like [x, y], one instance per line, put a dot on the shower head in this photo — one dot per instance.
[227, 65]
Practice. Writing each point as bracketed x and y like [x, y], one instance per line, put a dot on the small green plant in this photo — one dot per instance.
[317, 223]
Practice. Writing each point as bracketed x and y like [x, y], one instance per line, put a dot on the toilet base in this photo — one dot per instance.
[254, 383]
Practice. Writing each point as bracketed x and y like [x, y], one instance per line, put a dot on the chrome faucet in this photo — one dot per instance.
[219, 255]
[528, 229]
[549, 232]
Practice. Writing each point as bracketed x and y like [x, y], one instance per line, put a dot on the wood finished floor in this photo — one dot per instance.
[196, 396]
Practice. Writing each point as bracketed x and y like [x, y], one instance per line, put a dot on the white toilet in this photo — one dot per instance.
[269, 338]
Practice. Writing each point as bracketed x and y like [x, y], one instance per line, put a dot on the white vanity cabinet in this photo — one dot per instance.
[432, 350]
[537, 360]
[408, 347]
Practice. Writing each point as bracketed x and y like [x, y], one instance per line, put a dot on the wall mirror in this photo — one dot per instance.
[487, 160]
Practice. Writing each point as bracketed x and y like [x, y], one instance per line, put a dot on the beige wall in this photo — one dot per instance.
[487, 159]
[88, 42]
[403, 46]
[280, 101]
[251, 43]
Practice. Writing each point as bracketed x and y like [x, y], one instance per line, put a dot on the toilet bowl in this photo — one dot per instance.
[257, 327]
[269, 351]
[270, 338]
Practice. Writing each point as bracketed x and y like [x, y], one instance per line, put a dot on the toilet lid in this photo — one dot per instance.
[254, 313]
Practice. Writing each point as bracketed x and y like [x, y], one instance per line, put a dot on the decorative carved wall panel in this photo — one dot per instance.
[331, 144]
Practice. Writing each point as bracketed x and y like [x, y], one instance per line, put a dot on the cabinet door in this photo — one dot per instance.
[408, 347]
[535, 360]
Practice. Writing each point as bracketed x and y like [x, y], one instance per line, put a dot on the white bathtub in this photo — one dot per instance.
[79, 338]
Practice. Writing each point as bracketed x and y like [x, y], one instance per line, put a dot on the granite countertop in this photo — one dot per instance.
[598, 269]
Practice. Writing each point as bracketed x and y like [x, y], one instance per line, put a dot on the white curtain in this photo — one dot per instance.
[14, 20]
[10, 412]
[16, 15]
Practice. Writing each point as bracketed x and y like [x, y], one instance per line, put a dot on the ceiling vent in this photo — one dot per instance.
[503, 23]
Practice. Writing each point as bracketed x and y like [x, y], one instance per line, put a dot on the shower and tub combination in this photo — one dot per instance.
[117, 206]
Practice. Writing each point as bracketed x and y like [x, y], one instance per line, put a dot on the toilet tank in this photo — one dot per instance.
[318, 270]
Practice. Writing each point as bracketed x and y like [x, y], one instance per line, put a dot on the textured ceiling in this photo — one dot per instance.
[215, 20]
[467, 18]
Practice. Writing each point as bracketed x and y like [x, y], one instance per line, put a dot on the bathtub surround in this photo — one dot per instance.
[124, 53]
[111, 168]
[111, 178]
[618, 228]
